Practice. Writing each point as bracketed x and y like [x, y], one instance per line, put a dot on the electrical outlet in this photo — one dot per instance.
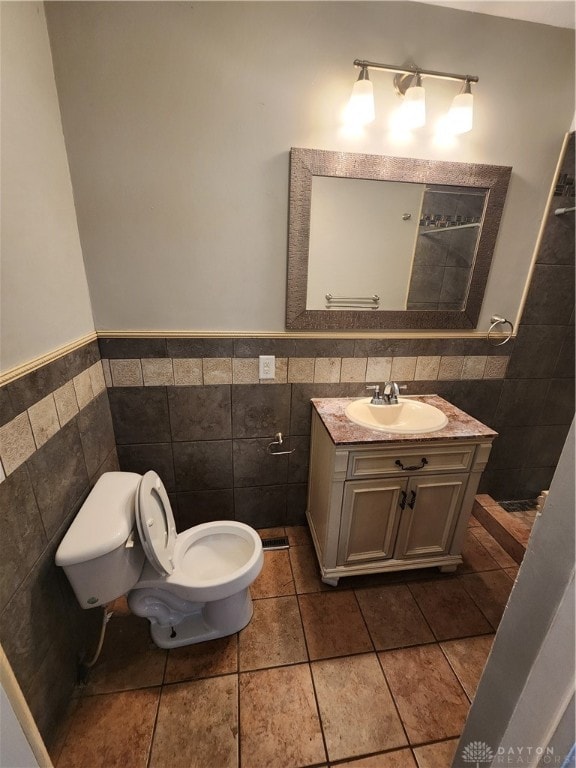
[266, 367]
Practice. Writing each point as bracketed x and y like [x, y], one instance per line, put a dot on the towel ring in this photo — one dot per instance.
[496, 320]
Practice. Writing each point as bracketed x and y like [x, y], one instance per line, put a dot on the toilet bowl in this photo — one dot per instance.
[192, 586]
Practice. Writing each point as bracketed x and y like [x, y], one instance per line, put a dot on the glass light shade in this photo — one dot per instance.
[414, 107]
[360, 109]
[460, 116]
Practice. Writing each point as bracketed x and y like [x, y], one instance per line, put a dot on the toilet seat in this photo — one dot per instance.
[156, 524]
[208, 561]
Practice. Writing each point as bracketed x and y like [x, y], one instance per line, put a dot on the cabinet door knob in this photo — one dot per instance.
[422, 464]
[412, 500]
[403, 500]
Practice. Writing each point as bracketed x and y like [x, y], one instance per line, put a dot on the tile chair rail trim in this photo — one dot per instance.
[38, 362]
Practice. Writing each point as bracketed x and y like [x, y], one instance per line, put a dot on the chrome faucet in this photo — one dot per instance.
[389, 396]
[376, 397]
[391, 392]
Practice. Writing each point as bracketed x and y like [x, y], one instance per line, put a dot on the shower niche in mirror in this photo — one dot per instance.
[391, 243]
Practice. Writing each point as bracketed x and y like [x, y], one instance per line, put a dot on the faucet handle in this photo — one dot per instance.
[376, 397]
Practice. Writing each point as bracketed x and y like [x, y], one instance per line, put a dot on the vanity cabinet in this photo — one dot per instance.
[393, 504]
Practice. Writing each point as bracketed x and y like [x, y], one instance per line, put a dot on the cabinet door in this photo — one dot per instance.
[370, 517]
[432, 508]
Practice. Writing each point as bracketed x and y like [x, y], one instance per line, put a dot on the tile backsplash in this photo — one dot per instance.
[154, 372]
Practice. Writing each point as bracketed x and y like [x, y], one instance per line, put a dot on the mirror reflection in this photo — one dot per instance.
[391, 245]
[389, 242]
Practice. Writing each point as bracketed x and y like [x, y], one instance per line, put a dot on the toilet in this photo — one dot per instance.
[192, 586]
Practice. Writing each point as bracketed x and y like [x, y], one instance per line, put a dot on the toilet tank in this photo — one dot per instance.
[101, 553]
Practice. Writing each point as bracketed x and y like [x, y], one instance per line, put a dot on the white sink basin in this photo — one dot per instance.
[408, 416]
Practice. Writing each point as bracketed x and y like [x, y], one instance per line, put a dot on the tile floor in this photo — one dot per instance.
[376, 673]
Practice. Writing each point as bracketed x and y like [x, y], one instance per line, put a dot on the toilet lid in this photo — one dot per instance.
[155, 523]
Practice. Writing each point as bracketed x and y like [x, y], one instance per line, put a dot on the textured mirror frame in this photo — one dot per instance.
[307, 163]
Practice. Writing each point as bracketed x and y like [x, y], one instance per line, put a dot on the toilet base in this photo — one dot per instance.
[207, 621]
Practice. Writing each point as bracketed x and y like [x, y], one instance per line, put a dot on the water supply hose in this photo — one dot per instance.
[87, 665]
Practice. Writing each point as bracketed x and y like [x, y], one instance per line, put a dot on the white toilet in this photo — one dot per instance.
[192, 586]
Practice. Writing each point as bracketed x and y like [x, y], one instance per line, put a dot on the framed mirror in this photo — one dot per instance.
[380, 242]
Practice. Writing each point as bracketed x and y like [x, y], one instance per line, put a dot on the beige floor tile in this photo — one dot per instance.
[306, 570]
[493, 547]
[467, 657]
[298, 535]
[393, 617]
[197, 725]
[356, 708]
[475, 556]
[333, 625]
[490, 592]
[449, 609]
[400, 758]
[215, 657]
[111, 730]
[436, 755]
[275, 579]
[274, 636]
[279, 723]
[129, 658]
[430, 700]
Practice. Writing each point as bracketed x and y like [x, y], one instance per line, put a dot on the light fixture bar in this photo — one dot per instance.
[416, 71]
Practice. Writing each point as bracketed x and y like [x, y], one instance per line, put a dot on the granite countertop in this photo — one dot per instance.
[461, 426]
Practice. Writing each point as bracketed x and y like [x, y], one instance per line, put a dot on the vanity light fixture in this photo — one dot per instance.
[408, 84]
[460, 116]
[413, 111]
[360, 109]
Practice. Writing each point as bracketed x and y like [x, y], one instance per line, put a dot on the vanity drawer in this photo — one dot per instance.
[421, 460]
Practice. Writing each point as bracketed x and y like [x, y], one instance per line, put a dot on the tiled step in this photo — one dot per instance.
[512, 533]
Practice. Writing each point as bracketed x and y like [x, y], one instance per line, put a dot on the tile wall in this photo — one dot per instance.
[536, 404]
[56, 438]
[194, 410]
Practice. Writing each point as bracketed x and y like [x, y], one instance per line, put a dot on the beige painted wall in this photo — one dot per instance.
[44, 293]
[179, 118]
